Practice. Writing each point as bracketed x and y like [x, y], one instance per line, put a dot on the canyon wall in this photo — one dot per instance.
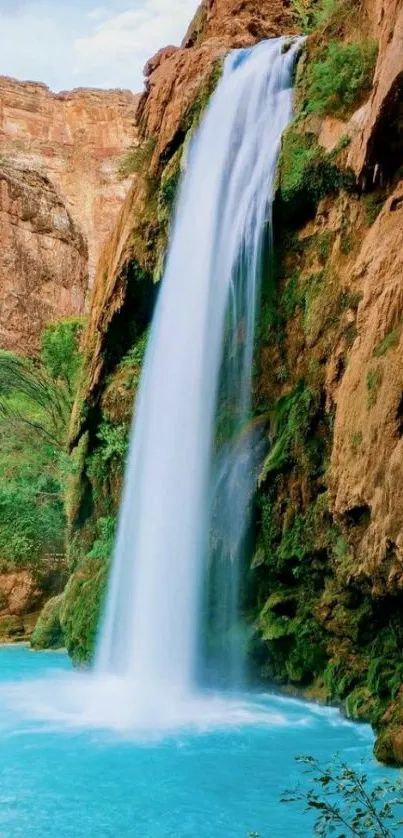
[60, 197]
[325, 580]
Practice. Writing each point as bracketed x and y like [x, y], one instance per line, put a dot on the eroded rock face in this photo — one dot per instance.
[376, 150]
[77, 140]
[22, 595]
[43, 258]
[367, 456]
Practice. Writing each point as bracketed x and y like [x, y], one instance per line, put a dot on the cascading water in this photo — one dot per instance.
[174, 486]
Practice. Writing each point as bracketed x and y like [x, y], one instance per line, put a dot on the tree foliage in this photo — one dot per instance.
[36, 398]
[347, 802]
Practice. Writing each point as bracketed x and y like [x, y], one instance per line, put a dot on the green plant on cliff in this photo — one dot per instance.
[316, 14]
[137, 159]
[205, 91]
[306, 174]
[390, 341]
[340, 77]
[373, 383]
[346, 802]
[290, 423]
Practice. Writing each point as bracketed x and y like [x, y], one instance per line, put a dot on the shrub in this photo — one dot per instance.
[138, 159]
[341, 77]
[60, 351]
[306, 174]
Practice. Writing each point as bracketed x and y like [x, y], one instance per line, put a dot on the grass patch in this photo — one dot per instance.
[391, 340]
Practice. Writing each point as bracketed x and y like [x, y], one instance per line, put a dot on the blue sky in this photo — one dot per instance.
[90, 43]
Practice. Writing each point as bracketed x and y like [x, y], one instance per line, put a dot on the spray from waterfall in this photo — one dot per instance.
[188, 485]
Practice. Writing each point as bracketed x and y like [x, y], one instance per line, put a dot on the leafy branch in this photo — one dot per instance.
[346, 799]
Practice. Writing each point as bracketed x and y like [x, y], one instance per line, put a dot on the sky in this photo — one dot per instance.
[87, 43]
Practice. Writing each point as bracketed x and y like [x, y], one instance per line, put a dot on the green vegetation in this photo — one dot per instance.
[138, 159]
[291, 421]
[391, 340]
[81, 608]
[374, 379]
[346, 802]
[373, 203]
[48, 632]
[307, 174]
[35, 406]
[170, 179]
[311, 15]
[340, 77]
[209, 83]
[356, 442]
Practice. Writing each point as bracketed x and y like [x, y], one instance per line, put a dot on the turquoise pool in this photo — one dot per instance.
[63, 778]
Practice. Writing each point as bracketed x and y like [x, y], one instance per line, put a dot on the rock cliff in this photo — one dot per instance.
[61, 194]
[43, 262]
[326, 574]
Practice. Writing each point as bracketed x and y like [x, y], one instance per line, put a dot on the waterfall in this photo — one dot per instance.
[183, 479]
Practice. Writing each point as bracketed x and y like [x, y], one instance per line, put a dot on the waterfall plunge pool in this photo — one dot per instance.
[218, 775]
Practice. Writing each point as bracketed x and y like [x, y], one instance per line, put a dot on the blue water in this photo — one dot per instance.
[59, 781]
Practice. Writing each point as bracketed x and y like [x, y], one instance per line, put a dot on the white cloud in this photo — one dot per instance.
[131, 37]
[98, 14]
[70, 43]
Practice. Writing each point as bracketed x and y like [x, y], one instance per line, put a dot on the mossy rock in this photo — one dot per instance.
[389, 743]
[170, 179]
[361, 705]
[81, 608]
[48, 632]
[340, 77]
[307, 173]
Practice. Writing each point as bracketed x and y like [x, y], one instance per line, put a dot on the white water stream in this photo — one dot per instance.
[198, 362]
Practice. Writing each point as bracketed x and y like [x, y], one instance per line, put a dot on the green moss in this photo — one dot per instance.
[391, 340]
[102, 547]
[373, 204]
[81, 608]
[48, 632]
[195, 111]
[290, 299]
[361, 705]
[346, 242]
[374, 379]
[170, 179]
[138, 159]
[341, 77]
[356, 442]
[290, 425]
[306, 174]
[311, 15]
[324, 246]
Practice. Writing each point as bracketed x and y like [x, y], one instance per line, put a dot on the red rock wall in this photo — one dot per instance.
[60, 196]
